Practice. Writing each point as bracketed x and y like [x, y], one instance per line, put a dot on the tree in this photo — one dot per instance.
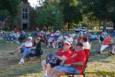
[49, 15]
[71, 11]
[12, 7]
[102, 9]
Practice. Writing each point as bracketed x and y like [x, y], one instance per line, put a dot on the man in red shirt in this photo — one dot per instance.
[62, 54]
[74, 64]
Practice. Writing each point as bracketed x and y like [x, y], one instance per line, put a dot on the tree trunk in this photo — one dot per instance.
[113, 24]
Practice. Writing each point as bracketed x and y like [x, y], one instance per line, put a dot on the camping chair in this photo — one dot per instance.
[82, 72]
[87, 53]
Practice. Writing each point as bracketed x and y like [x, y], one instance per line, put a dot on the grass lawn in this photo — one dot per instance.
[98, 65]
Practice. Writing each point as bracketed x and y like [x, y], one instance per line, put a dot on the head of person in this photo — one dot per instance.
[79, 46]
[67, 45]
[29, 39]
[85, 39]
[37, 39]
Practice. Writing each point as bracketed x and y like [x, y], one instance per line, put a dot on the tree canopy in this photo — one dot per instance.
[57, 13]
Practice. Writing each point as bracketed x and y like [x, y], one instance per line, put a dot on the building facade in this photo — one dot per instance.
[24, 15]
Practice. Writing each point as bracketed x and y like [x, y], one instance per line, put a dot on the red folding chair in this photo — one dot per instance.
[82, 72]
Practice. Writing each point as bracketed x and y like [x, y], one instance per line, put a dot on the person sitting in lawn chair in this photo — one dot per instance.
[113, 46]
[25, 49]
[106, 43]
[58, 58]
[36, 49]
[75, 65]
[86, 46]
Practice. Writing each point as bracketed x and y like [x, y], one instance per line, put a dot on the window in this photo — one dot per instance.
[25, 10]
[25, 15]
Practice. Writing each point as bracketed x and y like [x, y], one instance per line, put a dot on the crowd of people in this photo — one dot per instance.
[69, 59]
[73, 49]
[72, 57]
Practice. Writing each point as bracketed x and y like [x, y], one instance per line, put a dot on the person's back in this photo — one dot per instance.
[107, 40]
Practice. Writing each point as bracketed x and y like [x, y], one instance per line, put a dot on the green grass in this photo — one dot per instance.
[22, 70]
[98, 65]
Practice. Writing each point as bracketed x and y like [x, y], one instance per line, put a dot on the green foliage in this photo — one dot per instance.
[4, 13]
[57, 13]
[102, 9]
[11, 8]
[71, 10]
[33, 16]
[10, 5]
[49, 15]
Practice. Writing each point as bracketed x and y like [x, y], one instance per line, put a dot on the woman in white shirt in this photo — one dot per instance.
[86, 46]
[25, 49]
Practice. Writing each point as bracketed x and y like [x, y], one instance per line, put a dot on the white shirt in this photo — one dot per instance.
[86, 45]
[28, 44]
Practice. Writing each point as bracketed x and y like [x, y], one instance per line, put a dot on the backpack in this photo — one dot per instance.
[53, 60]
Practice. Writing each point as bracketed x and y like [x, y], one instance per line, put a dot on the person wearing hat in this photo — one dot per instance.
[25, 49]
[73, 64]
[62, 54]
[105, 43]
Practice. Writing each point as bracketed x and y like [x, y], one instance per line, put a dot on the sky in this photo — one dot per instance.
[34, 3]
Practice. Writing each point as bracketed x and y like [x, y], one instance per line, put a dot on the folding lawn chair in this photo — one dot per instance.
[82, 72]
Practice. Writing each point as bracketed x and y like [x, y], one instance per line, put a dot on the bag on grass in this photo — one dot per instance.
[53, 60]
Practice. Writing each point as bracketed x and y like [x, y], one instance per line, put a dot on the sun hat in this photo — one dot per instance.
[67, 43]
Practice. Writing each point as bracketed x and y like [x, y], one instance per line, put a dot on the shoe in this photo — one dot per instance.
[21, 61]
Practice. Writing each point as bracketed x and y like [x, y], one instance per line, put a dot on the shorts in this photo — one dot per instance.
[67, 69]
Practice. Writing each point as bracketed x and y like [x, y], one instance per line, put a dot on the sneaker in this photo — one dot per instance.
[21, 61]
